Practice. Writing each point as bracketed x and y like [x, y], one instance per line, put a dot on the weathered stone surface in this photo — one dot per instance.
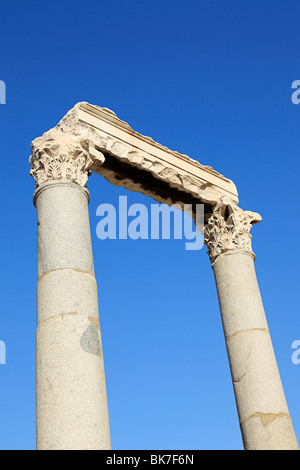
[113, 139]
[228, 228]
[258, 432]
[71, 394]
[59, 156]
[67, 291]
[64, 238]
[72, 408]
[263, 412]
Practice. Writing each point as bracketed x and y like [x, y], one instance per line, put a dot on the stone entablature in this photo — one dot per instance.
[115, 149]
[88, 138]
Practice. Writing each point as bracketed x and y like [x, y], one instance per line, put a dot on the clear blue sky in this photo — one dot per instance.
[209, 79]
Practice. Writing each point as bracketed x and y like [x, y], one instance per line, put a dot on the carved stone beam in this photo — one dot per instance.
[140, 164]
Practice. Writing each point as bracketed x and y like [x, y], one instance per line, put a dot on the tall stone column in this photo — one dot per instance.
[263, 413]
[72, 410]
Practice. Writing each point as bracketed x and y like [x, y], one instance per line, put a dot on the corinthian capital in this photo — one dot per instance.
[57, 156]
[228, 228]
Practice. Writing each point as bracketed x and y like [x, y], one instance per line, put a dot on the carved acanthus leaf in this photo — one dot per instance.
[57, 156]
[228, 228]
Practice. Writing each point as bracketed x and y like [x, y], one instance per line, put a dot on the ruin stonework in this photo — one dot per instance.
[72, 410]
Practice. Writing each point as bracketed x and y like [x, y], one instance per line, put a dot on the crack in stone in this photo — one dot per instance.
[245, 331]
[236, 381]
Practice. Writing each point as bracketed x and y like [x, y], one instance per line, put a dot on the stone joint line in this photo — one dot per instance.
[266, 418]
[246, 331]
[81, 271]
[93, 320]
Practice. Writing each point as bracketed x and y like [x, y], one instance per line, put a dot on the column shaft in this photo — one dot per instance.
[72, 408]
[264, 417]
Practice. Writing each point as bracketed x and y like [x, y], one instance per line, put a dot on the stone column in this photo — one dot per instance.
[71, 397]
[263, 413]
